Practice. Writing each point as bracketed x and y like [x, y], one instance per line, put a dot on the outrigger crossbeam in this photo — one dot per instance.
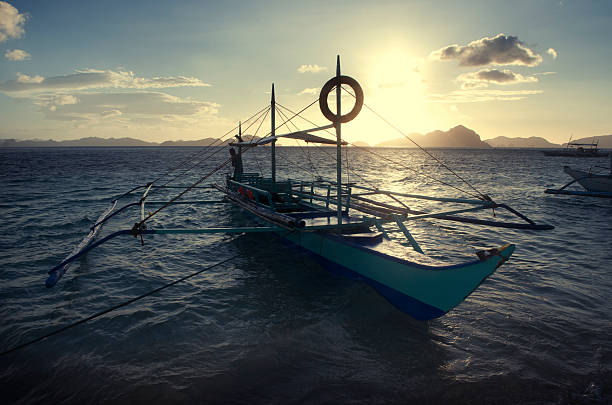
[56, 272]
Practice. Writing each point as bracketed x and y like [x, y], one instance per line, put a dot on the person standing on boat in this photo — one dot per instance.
[236, 163]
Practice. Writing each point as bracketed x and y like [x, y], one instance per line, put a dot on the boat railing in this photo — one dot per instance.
[254, 190]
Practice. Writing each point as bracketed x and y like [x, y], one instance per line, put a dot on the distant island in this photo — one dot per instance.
[531, 142]
[104, 142]
[457, 137]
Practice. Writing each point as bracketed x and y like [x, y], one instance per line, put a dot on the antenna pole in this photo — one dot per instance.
[338, 142]
[273, 144]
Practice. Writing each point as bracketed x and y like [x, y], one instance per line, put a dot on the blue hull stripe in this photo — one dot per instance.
[405, 303]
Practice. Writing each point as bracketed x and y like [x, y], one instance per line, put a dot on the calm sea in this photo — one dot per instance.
[271, 325]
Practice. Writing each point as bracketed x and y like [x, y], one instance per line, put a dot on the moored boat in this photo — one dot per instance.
[596, 184]
[345, 225]
[577, 149]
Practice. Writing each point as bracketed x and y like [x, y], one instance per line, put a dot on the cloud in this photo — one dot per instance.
[482, 78]
[11, 22]
[132, 106]
[99, 97]
[311, 69]
[474, 96]
[52, 101]
[92, 79]
[21, 78]
[499, 50]
[311, 90]
[552, 52]
[17, 54]
[111, 113]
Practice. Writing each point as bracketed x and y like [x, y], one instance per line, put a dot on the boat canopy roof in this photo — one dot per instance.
[583, 144]
[301, 135]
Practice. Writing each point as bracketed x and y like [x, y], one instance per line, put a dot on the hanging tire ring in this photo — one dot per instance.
[327, 88]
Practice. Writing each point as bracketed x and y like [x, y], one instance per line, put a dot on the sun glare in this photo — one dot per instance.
[394, 87]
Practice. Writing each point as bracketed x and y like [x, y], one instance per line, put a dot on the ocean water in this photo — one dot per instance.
[271, 325]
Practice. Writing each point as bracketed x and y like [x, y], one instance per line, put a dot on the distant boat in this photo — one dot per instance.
[575, 149]
[595, 184]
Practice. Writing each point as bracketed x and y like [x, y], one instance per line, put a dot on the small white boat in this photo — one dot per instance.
[596, 184]
[591, 181]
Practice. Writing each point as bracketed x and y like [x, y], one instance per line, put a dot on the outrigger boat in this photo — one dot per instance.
[596, 184]
[577, 149]
[345, 225]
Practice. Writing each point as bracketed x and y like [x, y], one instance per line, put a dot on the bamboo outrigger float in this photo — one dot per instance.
[349, 231]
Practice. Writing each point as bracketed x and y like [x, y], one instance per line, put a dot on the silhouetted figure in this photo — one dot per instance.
[236, 163]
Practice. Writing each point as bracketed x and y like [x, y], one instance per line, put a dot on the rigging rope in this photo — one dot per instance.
[138, 225]
[395, 162]
[306, 154]
[481, 195]
[261, 112]
[197, 153]
[255, 134]
[113, 308]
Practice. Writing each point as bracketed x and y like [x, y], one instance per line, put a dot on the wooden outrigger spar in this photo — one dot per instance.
[344, 225]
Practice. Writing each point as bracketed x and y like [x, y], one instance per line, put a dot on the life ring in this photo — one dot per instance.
[327, 88]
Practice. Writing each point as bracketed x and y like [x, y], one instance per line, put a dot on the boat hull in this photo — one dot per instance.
[424, 292]
[591, 182]
[586, 153]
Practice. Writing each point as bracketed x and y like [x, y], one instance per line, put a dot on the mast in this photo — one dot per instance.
[239, 139]
[273, 145]
[338, 141]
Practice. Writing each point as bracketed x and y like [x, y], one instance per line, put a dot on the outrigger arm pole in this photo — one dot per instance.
[56, 272]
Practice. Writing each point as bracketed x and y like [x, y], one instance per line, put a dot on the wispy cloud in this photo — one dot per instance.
[93, 79]
[499, 50]
[22, 78]
[552, 52]
[17, 55]
[11, 22]
[484, 77]
[310, 90]
[311, 69]
[100, 96]
[474, 96]
[129, 106]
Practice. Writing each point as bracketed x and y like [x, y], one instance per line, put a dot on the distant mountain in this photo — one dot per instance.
[83, 142]
[605, 141]
[457, 137]
[199, 142]
[103, 142]
[361, 144]
[531, 142]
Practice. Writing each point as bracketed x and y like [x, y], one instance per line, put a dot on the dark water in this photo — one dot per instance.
[271, 325]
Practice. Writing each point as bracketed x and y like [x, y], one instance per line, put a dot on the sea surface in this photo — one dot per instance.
[271, 325]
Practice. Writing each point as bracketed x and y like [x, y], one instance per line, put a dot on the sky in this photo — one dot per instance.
[170, 70]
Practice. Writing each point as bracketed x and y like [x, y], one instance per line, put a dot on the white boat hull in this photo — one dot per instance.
[590, 181]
